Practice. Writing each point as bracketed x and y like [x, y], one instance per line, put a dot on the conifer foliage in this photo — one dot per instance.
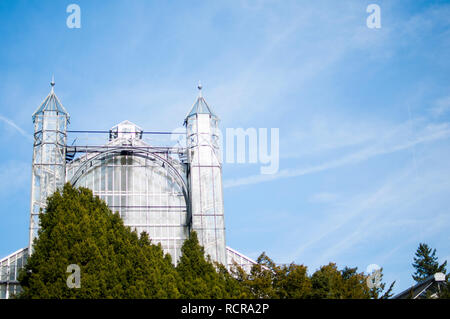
[271, 281]
[200, 278]
[426, 263]
[78, 228]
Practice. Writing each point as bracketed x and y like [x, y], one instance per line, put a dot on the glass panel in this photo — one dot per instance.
[2, 291]
[19, 262]
[4, 272]
[12, 271]
[11, 291]
[110, 177]
[145, 195]
[103, 177]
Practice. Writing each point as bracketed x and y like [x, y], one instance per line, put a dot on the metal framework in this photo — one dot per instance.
[430, 287]
[234, 256]
[146, 185]
[9, 273]
[166, 191]
[48, 169]
[205, 177]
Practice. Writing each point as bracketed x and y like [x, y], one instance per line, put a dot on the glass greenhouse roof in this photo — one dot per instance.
[200, 106]
[50, 104]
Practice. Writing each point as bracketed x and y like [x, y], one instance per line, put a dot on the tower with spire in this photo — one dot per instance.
[205, 178]
[50, 122]
[163, 190]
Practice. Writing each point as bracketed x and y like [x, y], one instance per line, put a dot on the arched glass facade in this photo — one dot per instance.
[142, 190]
[163, 190]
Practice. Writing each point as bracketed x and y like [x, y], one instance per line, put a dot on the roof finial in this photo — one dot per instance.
[199, 86]
[52, 83]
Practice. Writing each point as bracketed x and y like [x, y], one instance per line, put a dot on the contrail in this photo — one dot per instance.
[14, 125]
[353, 158]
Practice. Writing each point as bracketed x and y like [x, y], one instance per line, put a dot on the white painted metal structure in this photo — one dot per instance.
[147, 185]
[234, 256]
[48, 169]
[430, 287]
[9, 273]
[205, 179]
[165, 191]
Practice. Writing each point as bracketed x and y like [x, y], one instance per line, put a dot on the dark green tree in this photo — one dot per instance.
[200, 278]
[330, 283]
[78, 228]
[327, 283]
[354, 284]
[292, 282]
[426, 263]
[444, 291]
[233, 286]
[262, 278]
[269, 280]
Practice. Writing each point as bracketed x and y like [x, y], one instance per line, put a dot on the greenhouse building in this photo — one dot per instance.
[165, 190]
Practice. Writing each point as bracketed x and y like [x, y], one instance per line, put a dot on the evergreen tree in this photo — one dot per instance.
[78, 228]
[354, 284]
[269, 280]
[444, 292]
[243, 280]
[200, 278]
[426, 263]
[327, 283]
[330, 283]
[292, 282]
[262, 277]
[233, 286]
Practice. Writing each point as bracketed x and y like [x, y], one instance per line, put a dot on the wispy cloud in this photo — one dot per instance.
[351, 209]
[326, 133]
[441, 106]
[369, 218]
[428, 226]
[324, 197]
[16, 127]
[428, 134]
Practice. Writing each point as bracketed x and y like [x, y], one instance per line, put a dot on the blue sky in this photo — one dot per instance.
[363, 114]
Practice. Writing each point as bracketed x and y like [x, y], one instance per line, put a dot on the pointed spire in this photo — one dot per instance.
[52, 83]
[199, 86]
[200, 106]
[51, 104]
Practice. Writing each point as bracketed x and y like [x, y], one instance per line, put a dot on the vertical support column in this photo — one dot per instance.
[7, 279]
[205, 177]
